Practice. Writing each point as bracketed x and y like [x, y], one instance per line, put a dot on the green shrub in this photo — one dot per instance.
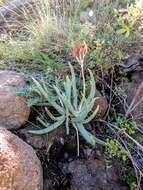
[123, 123]
[114, 149]
[120, 91]
[113, 38]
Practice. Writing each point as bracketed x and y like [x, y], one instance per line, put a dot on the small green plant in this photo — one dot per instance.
[120, 91]
[123, 123]
[70, 110]
[129, 176]
[130, 23]
[110, 42]
[122, 146]
[114, 149]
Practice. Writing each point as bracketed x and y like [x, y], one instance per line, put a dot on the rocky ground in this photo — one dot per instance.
[25, 161]
[20, 168]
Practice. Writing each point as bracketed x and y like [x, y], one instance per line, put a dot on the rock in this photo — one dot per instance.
[36, 141]
[20, 169]
[103, 104]
[136, 77]
[93, 175]
[134, 101]
[13, 109]
[133, 104]
[132, 64]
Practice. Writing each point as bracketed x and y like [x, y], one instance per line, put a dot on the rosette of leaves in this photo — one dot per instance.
[72, 108]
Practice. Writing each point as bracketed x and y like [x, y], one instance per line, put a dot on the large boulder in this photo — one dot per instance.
[13, 109]
[20, 169]
[134, 101]
[36, 141]
[92, 175]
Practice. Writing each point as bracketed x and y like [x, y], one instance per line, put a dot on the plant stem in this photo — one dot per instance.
[77, 135]
[83, 79]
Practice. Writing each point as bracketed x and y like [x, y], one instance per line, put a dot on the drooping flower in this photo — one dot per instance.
[79, 51]
[83, 49]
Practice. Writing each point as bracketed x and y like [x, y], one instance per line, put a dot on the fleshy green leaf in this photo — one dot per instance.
[46, 96]
[68, 88]
[91, 139]
[75, 99]
[52, 117]
[92, 116]
[49, 128]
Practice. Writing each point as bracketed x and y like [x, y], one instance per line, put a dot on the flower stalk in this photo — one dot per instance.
[79, 52]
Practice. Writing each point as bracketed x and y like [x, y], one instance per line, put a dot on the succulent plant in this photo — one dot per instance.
[72, 109]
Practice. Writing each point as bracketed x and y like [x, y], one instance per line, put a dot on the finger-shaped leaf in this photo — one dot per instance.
[92, 116]
[42, 122]
[84, 111]
[69, 105]
[86, 135]
[49, 128]
[51, 115]
[65, 100]
[75, 95]
[46, 96]
[91, 139]
[82, 102]
[68, 86]
[67, 121]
